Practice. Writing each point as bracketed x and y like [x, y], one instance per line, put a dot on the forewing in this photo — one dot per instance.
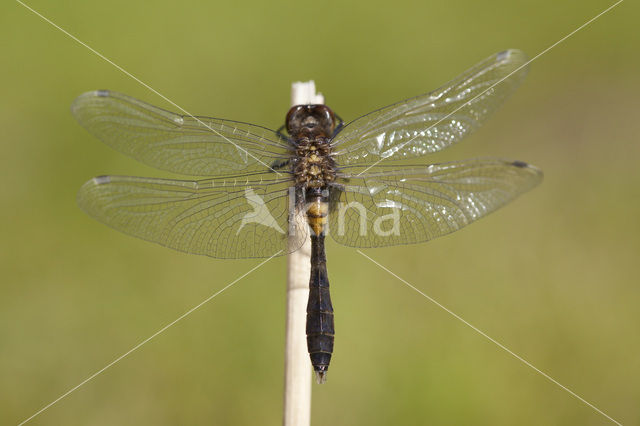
[409, 205]
[433, 121]
[214, 217]
[197, 146]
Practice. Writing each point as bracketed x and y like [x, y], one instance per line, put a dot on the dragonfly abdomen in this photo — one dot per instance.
[320, 329]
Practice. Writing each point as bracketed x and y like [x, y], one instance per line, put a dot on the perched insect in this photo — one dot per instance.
[261, 181]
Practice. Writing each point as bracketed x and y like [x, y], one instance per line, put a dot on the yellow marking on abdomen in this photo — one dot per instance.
[317, 213]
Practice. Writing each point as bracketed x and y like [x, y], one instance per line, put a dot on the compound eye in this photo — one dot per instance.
[292, 122]
[326, 118]
[331, 120]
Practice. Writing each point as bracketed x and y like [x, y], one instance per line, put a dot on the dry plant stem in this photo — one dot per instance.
[297, 371]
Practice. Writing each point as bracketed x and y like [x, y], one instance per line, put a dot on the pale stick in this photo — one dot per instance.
[297, 374]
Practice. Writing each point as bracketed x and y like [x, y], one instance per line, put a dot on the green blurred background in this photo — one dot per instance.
[554, 276]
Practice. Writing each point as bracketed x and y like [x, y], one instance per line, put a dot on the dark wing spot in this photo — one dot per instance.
[503, 55]
[103, 93]
[520, 164]
[99, 180]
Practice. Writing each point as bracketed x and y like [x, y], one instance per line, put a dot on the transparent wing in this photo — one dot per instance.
[197, 146]
[409, 205]
[433, 121]
[215, 217]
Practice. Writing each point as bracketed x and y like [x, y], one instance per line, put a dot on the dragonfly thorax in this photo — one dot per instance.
[313, 165]
[311, 128]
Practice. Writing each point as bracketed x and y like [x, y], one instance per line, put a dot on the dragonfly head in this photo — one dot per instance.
[317, 119]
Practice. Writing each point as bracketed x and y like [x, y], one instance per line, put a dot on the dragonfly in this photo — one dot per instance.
[258, 193]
